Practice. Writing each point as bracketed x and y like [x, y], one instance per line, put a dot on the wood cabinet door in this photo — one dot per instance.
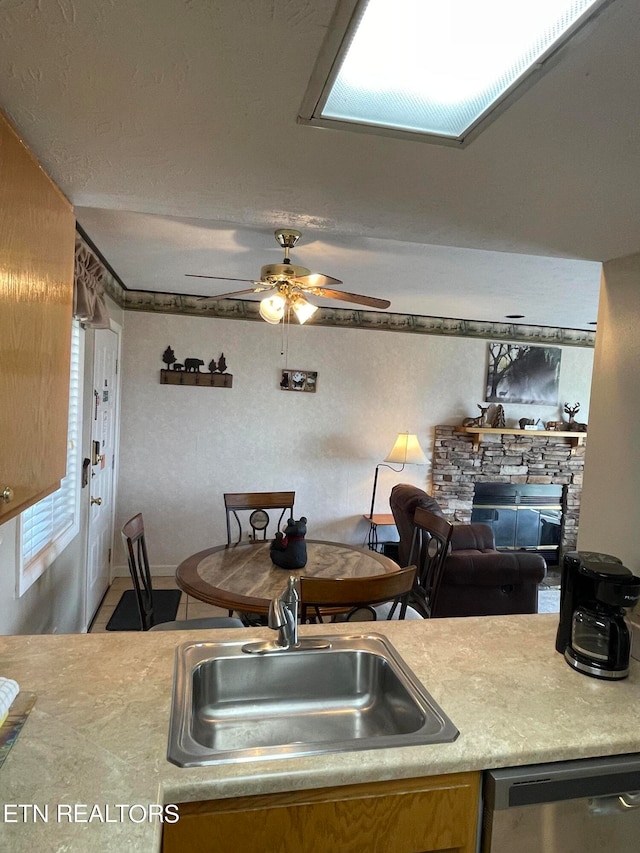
[437, 813]
[37, 232]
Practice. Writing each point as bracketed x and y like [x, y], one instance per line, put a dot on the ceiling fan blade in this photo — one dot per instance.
[220, 277]
[230, 295]
[345, 296]
[316, 279]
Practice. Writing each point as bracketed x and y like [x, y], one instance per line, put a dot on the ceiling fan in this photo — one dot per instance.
[292, 284]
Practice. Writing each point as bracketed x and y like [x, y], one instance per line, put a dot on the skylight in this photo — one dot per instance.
[437, 67]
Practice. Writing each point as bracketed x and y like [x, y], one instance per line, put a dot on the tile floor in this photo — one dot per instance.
[194, 610]
[549, 592]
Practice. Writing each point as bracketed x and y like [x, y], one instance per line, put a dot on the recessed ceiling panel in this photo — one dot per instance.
[438, 69]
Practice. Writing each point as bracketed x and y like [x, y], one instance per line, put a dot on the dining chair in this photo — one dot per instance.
[429, 550]
[135, 545]
[377, 597]
[257, 504]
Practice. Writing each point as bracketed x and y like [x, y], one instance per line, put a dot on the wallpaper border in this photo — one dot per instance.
[245, 309]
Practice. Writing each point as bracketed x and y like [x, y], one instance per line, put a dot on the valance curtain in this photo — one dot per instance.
[89, 305]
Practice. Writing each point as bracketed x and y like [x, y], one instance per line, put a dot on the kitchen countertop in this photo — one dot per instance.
[97, 736]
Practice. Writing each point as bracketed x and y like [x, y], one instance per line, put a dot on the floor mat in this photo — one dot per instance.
[126, 616]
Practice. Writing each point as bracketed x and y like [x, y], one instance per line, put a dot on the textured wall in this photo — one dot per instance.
[612, 470]
[182, 447]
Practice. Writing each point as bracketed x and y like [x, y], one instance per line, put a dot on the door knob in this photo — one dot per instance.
[97, 501]
[7, 494]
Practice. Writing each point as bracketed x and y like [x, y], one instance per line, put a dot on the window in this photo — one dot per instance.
[434, 69]
[46, 528]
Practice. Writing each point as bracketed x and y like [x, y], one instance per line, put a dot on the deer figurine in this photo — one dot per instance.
[480, 420]
[573, 425]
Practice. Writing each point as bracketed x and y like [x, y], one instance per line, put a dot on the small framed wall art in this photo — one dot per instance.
[299, 380]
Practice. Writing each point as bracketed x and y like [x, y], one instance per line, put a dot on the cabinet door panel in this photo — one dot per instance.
[437, 813]
[37, 229]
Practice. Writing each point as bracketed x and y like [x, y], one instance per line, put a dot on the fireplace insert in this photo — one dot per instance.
[523, 517]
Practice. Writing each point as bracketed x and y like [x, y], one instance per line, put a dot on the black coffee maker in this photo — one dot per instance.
[592, 632]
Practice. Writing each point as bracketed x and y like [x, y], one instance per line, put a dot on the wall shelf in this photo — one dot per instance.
[204, 380]
[576, 438]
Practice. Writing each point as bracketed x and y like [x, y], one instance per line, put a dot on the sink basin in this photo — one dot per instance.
[355, 693]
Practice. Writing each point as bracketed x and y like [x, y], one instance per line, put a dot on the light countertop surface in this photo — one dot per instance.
[97, 735]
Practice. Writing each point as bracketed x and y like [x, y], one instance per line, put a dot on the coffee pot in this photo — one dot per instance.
[593, 634]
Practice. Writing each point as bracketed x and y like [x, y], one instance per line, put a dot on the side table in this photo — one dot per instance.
[381, 519]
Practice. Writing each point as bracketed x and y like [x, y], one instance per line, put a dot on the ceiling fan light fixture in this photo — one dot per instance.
[282, 272]
[272, 308]
[303, 310]
[290, 281]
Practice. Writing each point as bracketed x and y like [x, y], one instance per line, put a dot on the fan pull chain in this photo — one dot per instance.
[282, 341]
[284, 348]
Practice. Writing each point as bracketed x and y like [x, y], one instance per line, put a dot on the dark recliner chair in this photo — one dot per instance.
[477, 580]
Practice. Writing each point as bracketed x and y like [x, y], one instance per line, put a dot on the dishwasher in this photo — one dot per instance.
[585, 806]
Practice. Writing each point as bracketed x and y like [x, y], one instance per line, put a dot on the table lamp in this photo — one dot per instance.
[406, 451]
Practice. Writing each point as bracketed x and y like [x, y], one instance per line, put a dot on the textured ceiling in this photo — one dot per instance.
[171, 126]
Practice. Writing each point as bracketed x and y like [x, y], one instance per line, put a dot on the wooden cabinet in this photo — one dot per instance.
[37, 230]
[437, 813]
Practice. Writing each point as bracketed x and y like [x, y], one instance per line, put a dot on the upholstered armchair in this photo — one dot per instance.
[477, 580]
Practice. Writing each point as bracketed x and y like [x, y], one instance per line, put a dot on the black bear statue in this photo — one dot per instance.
[289, 550]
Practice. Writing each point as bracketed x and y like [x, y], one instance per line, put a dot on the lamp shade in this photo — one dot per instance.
[272, 308]
[303, 309]
[406, 450]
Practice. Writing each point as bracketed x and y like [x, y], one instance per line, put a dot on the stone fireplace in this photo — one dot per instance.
[461, 459]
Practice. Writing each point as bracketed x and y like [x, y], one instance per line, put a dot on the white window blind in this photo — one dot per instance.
[46, 528]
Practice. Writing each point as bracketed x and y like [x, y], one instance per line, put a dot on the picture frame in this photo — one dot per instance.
[519, 373]
[299, 380]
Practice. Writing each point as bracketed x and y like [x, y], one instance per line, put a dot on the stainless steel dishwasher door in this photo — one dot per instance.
[585, 806]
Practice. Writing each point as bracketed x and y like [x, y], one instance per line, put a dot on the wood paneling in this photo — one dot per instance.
[37, 230]
[437, 813]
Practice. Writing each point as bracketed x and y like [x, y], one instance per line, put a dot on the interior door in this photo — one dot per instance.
[104, 407]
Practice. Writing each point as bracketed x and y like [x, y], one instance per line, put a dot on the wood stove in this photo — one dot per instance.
[523, 517]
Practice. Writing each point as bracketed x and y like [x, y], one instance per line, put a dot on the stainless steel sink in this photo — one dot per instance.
[356, 693]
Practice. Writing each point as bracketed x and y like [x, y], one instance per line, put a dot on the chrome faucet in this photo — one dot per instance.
[283, 618]
[283, 615]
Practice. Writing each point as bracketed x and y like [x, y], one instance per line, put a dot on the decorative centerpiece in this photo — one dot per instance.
[289, 550]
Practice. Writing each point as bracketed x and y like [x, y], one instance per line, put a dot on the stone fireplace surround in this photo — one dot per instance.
[506, 458]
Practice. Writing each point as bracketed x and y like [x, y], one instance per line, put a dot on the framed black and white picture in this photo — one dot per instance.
[299, 380]
[518, 373]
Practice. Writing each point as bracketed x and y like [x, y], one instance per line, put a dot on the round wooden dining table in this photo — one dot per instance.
[242, 577]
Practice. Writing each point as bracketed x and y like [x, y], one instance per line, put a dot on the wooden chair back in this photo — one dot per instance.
[258, 505]
[429, 549]
[135, 548]
[319, 595]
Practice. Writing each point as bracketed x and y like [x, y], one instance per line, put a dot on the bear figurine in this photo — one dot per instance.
[289, 550]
